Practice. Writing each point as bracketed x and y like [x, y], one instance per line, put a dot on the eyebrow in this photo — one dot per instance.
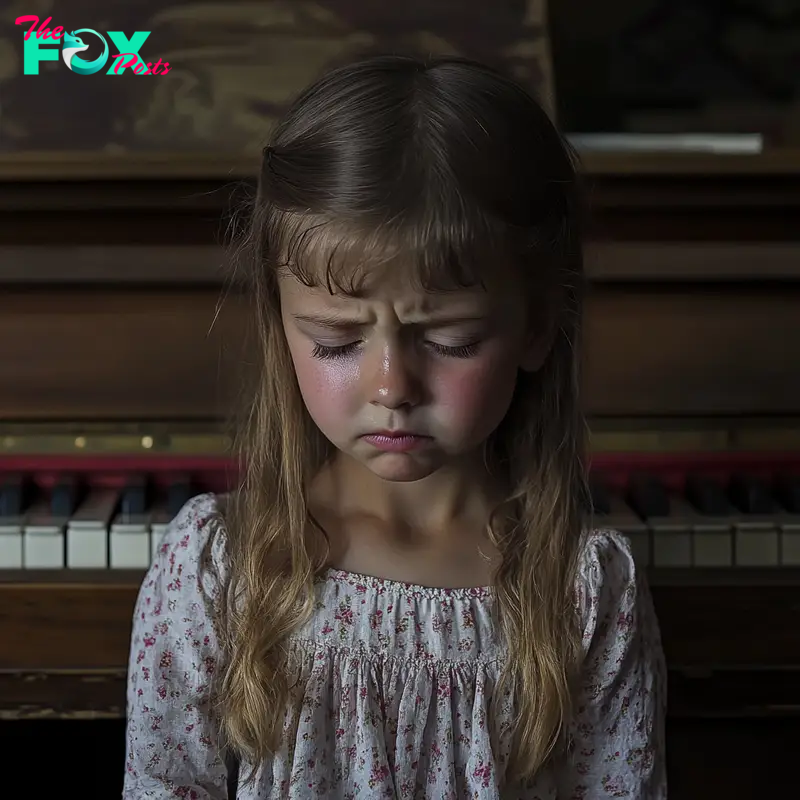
[328, 320]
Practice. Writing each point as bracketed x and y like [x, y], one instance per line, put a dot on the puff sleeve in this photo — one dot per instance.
[172, 742]
[618, 732]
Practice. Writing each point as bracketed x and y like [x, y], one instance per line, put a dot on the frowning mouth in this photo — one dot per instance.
[396, 441]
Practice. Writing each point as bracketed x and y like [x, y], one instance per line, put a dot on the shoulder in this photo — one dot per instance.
[193, 539]
[606, 558]
[191, 527]
[611, 591]
[193, 519]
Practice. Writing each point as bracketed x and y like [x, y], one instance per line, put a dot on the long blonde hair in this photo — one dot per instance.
[451, 164]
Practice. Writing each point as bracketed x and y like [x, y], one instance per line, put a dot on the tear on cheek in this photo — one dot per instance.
[329, 378]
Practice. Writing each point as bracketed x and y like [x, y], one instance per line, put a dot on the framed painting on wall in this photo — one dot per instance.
[233, 66]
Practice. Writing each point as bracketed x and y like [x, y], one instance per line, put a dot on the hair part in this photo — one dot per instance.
[449, 165]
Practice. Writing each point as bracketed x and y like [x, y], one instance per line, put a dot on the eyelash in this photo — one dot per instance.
[325, 353]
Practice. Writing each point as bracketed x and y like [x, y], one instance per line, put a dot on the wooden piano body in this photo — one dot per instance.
[118, 363]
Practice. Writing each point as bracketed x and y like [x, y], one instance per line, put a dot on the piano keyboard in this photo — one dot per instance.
[101, 528]
[114, 515]
[744, 521]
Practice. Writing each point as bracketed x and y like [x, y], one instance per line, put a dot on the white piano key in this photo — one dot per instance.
[11, 543]
[129, 542]
[87, 532]
[43, 539]
[713, 519]
[757, 528]
[713, 542]
[757, 542]
[713, 538]
[790, 542]
[672, 535]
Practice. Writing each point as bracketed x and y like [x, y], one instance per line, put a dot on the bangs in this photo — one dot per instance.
[439, 255]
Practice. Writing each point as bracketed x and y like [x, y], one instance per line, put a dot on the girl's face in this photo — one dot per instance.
[402, 380]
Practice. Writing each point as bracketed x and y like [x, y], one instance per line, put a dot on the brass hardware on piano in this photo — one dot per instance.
[98, 499]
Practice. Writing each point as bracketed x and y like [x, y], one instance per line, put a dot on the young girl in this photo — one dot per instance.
[404, 597]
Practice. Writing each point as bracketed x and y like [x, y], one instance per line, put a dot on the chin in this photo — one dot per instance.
[400, 468]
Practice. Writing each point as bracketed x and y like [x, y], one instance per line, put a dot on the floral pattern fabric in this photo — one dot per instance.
[395, 690]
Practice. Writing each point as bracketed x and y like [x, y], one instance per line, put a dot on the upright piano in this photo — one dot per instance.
[120, 346]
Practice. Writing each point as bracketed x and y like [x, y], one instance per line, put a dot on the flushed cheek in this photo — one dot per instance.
[474, 396]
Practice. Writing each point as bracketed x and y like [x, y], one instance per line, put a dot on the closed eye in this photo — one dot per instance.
[327, 353]
[332, 353]
[460, 351]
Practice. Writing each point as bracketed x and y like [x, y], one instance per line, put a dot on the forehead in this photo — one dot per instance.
[433, 264]
[397, 286]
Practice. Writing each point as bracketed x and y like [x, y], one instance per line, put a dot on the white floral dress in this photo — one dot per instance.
[395, 690]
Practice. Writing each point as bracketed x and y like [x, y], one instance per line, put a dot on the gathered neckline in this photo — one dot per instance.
[356, 579]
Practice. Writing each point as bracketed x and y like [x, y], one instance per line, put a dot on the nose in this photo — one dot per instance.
[394, 382]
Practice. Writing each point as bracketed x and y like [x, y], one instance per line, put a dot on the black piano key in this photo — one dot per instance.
[133, 500]
[787, 490]
[648, 497]
[64, 497]
[178, 494]
[751, 495]
[599, 497]
[12, 491]
[707, 496]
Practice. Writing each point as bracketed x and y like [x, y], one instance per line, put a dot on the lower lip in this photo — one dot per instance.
[396, 444]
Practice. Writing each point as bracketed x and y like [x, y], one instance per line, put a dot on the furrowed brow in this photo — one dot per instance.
[445, 320]
[328, 320]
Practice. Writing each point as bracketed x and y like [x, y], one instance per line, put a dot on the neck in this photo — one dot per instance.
[456, 494]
